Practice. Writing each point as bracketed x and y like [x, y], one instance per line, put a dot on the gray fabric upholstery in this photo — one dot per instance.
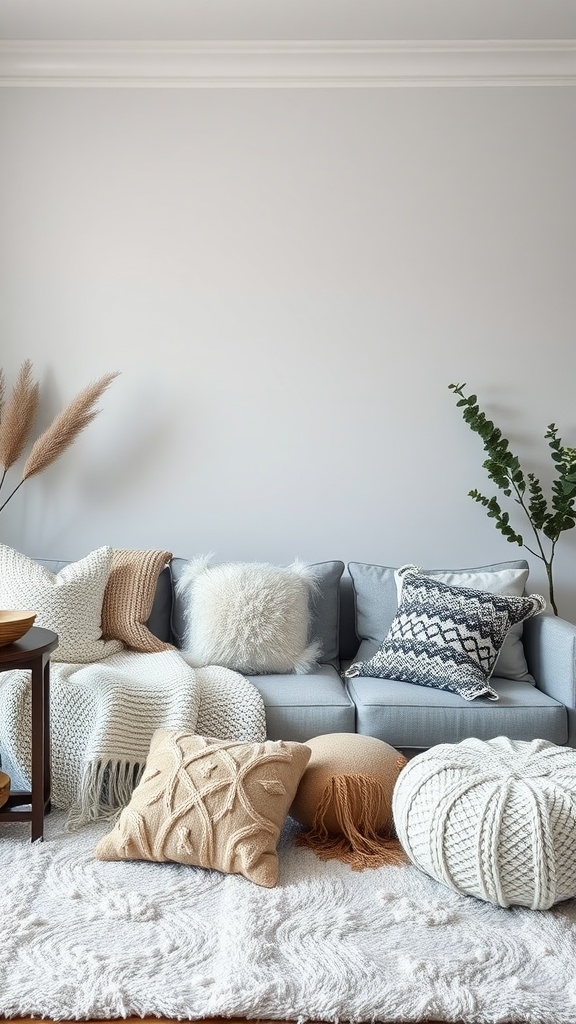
[300, 707]
[407, 715]
[325, 609]
[159, 621]
[550, 646]
[324, 606]
[349, 639]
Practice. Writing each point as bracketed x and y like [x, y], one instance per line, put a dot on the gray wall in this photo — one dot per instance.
[288, 279]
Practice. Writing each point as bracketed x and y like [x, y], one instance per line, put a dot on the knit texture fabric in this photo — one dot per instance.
[211, 804]
[129, 597]
[494, 819]
[446, 637]
[68, 602]
[103, 716]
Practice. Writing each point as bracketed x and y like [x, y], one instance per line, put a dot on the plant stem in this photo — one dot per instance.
[542, 555]
[548, 565]
[11, 495]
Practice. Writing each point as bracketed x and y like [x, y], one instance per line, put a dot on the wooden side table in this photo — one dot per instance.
[33, 651]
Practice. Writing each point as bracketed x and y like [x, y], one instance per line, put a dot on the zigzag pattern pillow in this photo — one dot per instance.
[446, 637]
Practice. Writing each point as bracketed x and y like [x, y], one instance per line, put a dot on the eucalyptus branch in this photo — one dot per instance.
[547, 519]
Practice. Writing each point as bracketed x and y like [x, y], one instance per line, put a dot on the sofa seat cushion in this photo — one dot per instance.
[299, 707]
[408, 716]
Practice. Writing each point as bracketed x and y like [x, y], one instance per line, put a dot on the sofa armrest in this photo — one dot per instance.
[550, 648]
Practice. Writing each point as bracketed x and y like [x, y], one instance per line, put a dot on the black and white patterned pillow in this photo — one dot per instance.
[446, 637]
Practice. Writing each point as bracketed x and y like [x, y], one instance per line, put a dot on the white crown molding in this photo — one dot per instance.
[284, 64]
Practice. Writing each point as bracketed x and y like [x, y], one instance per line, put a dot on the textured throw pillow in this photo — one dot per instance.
[251, 617]
[129, 597]
[211, 803]
[68, 602]
[324, 625]
[446, 637]
[376, 597]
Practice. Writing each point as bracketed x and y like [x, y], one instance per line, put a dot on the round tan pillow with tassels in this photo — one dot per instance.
[345, 800]
[4, 788]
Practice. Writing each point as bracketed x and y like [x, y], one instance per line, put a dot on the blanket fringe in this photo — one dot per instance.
[106, 787]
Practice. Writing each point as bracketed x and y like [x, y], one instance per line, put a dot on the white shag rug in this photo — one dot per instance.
[85, 938]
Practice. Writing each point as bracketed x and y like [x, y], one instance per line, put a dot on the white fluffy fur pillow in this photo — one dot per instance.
[252, 617]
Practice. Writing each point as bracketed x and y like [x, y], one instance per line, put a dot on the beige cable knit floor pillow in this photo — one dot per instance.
[210, 803]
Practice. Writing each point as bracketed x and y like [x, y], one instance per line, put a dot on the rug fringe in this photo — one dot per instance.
[355, 802]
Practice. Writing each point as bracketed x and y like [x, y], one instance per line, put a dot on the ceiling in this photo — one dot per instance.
[287, 19]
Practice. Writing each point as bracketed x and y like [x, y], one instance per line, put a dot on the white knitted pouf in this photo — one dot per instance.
[494, 819]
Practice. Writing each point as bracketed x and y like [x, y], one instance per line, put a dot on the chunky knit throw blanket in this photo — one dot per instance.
[103, 715]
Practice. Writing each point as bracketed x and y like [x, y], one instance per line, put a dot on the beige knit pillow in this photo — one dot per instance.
[211, 803]
[344, 799]
[129, 597]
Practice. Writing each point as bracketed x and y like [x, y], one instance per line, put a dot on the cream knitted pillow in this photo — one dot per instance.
[211, 803]
[68, 602]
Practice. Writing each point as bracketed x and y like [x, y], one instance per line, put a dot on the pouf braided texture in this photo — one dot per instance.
[495, 819]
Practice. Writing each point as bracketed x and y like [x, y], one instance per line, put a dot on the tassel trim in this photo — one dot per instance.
[356, 802]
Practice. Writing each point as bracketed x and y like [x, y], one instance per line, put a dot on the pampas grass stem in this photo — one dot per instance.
[65, 427]
[18, 418]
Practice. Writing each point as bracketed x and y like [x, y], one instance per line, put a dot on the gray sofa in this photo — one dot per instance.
[539, 704]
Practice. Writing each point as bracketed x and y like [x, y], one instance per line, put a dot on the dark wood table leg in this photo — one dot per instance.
[32, 651]
[47, 748]
[38, 749]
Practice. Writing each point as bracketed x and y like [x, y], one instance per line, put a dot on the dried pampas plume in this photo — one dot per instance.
[17, 419]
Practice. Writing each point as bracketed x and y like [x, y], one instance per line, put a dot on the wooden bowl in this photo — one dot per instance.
[4, 788]
[13, 625]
